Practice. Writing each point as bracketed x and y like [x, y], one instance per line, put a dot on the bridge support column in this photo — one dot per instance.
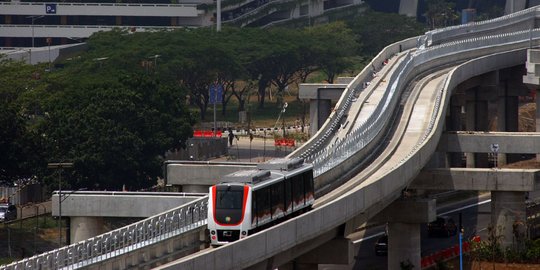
[408, 7]
[537, 94]
[336, 251]
[319, 110]
[514, 6]
[508, 216]
[403, 245]
[532, 81]
[507, 118]
[404, 217]
[82, 228]
[455, 123]
[476, 120]
[195, 188]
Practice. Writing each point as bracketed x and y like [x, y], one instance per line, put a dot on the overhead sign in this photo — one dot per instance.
[50, 8]
[216, 94]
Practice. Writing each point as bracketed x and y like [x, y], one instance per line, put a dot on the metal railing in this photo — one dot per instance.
[137, 235]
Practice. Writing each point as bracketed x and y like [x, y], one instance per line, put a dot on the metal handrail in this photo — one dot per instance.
[159, 227]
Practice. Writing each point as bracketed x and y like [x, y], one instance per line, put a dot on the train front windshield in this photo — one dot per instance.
[229, 202]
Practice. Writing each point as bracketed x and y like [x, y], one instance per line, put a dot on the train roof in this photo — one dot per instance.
[246, 176]
[281, 164]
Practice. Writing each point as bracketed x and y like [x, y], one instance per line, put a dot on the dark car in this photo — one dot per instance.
[381, 246]
[442, 226]
[7, 212]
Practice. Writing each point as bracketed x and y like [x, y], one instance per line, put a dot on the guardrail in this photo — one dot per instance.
[312, 150]
[137, 235]
[443, 34]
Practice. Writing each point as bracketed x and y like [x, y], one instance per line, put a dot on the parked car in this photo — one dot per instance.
[442, 226]
[7, 212]
[381, 245]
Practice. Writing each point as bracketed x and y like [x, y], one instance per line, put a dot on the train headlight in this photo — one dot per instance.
[212, 232]
[244, 233]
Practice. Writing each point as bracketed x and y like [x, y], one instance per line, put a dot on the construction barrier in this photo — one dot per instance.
[447, 254]
[206, 133]
[284, 143]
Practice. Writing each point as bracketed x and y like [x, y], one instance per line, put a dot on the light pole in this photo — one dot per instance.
[218, 16]
[61, 166]
[155, 61]
[33, 18]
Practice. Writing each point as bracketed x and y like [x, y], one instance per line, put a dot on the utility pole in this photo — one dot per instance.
[60, 166]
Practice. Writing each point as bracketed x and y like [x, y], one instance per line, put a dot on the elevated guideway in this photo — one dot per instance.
[413, 141]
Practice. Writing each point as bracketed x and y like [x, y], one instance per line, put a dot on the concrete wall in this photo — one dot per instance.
[117, 204]
[201, 173]
[481, 142]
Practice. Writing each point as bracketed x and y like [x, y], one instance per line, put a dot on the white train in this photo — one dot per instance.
[248, 201]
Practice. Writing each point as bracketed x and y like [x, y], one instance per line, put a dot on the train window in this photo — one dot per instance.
[263, 203]
[254, 208]
[288, 194]
[298, 189]
[229, 199]
[308, 182]
[277, 197]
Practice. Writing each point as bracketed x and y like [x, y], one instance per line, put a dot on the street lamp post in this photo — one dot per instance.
[61, 166]
[33, 18]
[218, 17]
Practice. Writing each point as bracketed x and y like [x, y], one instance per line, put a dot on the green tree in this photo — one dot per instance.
[115, 130]
[332, 46]
[440, 13]
[19, 142]
[375, 30]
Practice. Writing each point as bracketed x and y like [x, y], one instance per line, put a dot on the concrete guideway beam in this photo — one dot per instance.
[478, 179]
[481, 142]
[408, 7]
[202, 173]
[117, 204]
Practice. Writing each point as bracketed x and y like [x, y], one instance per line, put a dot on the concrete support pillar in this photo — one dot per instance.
[470, 117]
[195, 188]
[511, 121]
[476, 120]
[508, 216]
[403, 245]
[514, 6]
[408, 7]
[82, 228]
[537, 95]
[455, 124]
[319, 110]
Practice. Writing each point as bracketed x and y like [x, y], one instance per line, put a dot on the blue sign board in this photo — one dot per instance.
[50, 8]
[216, 94]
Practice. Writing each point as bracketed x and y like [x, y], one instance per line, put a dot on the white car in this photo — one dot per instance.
[7, 212]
